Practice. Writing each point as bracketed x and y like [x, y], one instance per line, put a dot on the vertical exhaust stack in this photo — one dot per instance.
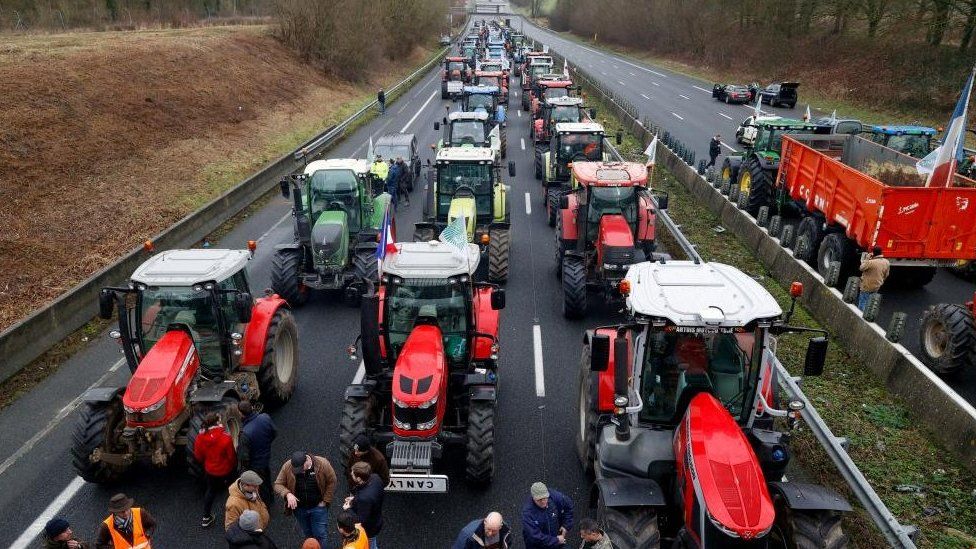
[620, 387]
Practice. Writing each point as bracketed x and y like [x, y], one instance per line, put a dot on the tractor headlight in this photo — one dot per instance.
[428, 425]
[399, 424]
[428, 404]
[400, 403]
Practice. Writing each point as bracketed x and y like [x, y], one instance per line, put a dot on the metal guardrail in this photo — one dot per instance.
[897, 534]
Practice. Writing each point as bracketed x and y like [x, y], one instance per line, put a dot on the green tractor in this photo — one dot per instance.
[465, 182]
[337, 220]
[750, 179]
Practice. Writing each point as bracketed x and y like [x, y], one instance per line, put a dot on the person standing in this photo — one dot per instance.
[874, 270]
[259, 432]
[125, 526]
[244, 495]
[490, 532]
[393, 182]
[593, 536]
[381, 99]
[403, 183]
[547, 516]
[307, 484]
[248, 533]
[379, 170]
[214, 449]
[351, 535]
[714, 149]
[363, 450]
[366, 500]
[58, 535]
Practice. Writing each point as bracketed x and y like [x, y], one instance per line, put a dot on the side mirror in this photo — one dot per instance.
[511, 168]
[564, 202]
[599, 353]
[243, 303]
[497, 299]
[619, 138]
[813, 363]
[662, 201]
[437, 126]
[284, 188]
[106, 303]
[592, 114]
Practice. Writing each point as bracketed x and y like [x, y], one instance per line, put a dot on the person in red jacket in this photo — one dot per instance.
[214, 449]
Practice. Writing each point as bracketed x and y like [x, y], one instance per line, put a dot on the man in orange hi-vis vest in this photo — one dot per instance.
[126, 527]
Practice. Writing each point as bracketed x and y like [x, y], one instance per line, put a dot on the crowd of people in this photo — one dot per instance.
[392, 177]
[306, 484]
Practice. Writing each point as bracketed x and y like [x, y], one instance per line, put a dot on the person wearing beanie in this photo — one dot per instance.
[247, 533]
[547, 516]
[245, 494]
[363, 450]
[307, 484]
[58, 535]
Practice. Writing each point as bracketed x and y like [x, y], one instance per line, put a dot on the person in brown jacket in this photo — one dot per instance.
[363, 450]
[307, 484]
[874, 271]
[244, 494]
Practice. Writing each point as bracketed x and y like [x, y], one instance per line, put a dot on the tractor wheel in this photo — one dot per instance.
[540, 169]
[286, 270]
[479, 461]
[425, 234]
[588, 419]
[96, 429]
[574, 287]
[364, 270]
[808, 237]
[809, 529]
[947, 338]
[837, 248]
[229, 416]
[279, 369]
[558, 256]
[787, 237]
[552, 206]
[355, 412]
[444, 94]
[499, 248]
[909, 278]
[503, 137]
[757, 184]
[629, 527]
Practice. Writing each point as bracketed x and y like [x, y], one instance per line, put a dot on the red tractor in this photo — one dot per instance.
[605, 224]
[676, 413]
[498, 79]
[548, 87]
[456, 73]
[430, 350]
[196, 342]
[554, 111]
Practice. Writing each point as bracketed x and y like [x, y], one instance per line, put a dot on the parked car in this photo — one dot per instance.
[403, 145]
[731, 93]
[840, 126]
[780, 94]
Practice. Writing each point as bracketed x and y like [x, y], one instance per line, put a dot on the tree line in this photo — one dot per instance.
[29, 15]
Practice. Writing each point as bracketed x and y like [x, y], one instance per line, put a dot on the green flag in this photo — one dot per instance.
[456, 235]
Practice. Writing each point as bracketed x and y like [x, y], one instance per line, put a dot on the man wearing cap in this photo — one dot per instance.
[307, 484]
[363, 450]
[546, 518]
[126, 527]
[58, 535]
[245, 495]
[247, 533]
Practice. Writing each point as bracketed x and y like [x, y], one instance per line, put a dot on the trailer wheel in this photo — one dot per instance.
[629, 527]
[479, 466]
[775, 226]
[587, 435]
[98, 425]
[810, 232]
[947, 338]
[355, 412]
[787, 236]
[836, 248]
[852, 289]
[574, 287]
[809, 529]
[499, 248]
[286, 271]
[873, 307]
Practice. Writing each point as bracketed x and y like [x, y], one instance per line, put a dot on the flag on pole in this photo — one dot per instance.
[950, 152]
[369, 150]
[565, 67]
[807, 117]
[651, 151]
[758, 110]
[387, 244]
[455, 235]
[833, 117]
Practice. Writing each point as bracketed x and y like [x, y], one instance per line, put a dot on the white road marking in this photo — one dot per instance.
[624, 61]
[645, 97]
[703, 89]
[523, 143]
[684, 96]
[616, 66]
[621, 83]
[724, 115]
[655, 83]
[729, 147]
[360, 373]
[27, 537]
[422, 107]
[633, 74]
[275, 226]
[603, 73]
[676, 115]
[518, 113]
[528, 203]
[540, 382]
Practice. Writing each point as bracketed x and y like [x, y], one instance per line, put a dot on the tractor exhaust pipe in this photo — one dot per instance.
[620, 387]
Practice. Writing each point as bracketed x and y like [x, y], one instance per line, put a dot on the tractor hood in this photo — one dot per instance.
[464, 206]
[419, 382]
[330, 239]
[615, 244]
[729, 480]
[168, 366]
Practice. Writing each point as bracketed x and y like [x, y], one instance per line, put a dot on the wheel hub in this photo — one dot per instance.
[936, 340]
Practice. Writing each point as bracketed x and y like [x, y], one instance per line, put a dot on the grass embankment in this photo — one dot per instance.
[919, 481]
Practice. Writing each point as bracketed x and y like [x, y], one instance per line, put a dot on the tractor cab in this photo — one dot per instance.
[572, 142]
[469, 130]
[484, 99]
[916, 141]
[558, 110]
[496, 79]
[335, 193]
[549, 87]
[456, 73]
[769, 135]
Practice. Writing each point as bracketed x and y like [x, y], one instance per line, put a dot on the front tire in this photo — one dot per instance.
[947, 338]
[499, 248]
[278, 374]
[809, 529]
[355, 411]
[365, 271]
[286, 272]
[574, 287]
[760, 190]
[479, 461]
[629, 527]
[95, 430]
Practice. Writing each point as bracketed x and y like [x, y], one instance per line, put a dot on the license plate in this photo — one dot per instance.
[455, 86]
[401, 482]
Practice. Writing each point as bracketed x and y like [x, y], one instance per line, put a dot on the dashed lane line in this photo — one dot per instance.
[655, 83]
[702, 89]
[645, 97]
[528, 203]
[676, 115]
[540, 381]
[523, 143]
[621, 83]
[724, 115]
[684, 96]
[420, 110]
[30, 534]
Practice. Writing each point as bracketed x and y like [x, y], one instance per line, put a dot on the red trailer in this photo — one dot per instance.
[846, 211]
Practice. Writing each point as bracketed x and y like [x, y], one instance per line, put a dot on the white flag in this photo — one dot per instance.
[807, 117]
[565, 67]
[651, 151]
[833, 117]
[369, 151]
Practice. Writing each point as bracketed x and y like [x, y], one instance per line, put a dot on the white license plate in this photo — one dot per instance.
[455, 86]
[402, 482]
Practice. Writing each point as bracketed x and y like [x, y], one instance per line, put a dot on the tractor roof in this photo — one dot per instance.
[485, 90]
[904, 130]
[432, 259]
[489, 73]
[480, 116]
[702, 294]
[456, 58]
[357, 165]
[395, 139]
[565, 101]
[779, 123]
[610, 174]
[578, 127]
[559, 82]
[189, 267]
[466, 154]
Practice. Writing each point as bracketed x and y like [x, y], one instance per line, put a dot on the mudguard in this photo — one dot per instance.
[486, 322]
[213, 392]
[358, 391]
[735, 162]
[604, 401]
[629, 492]
[766, 164]
[256, 332]
[567, 217]
[800, 495]
[646, 220]
[483, 393]
[289, 246]
[102, 394]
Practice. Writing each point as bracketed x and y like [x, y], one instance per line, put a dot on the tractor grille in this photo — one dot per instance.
[412, 418]
[410, 456]
[618, 255]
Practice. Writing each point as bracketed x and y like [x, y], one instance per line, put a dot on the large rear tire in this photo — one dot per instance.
[96, 426]
[479, 461]
[574, 287]
[355, 412]
[837, 248]
[947, 338]
[540, 169]
[229, 416]
[499, 248]
[588, 419]
[810, 529]
[286, 271]
[365, 271]
[503, 137]
[760, 191]
[278, 374]
[629, 527]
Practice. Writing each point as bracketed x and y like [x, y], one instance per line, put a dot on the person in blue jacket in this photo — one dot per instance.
[490, 531]
[393, 182]
[546, 518]
[259, 432]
